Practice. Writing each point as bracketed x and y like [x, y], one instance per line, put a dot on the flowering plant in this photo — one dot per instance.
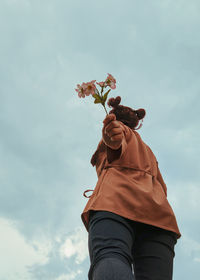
[85, 89]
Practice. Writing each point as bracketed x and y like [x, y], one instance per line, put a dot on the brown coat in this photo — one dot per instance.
[130, 184]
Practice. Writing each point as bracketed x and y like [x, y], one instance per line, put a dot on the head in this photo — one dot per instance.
[128, 116]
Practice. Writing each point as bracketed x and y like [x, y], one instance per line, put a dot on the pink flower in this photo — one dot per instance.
[110, 81]
[90, 88]
[101, 84]
[86, 89]
[81, 90]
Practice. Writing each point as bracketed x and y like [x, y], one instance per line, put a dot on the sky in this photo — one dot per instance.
[48, 133]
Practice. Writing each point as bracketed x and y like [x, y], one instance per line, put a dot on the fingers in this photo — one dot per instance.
[116, 137]
[112, 128]
[112, 125]
[109, 118]
[110, 122]
[113, 131]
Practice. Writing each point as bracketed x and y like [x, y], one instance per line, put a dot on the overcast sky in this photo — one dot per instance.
[48, 133]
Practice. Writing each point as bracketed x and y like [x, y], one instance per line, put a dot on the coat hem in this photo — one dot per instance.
[120, 213]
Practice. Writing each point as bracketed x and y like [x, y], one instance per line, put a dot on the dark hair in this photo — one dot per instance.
[128, 116]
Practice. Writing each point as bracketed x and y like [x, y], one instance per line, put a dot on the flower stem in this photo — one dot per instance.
[105, 109]
[101, 96]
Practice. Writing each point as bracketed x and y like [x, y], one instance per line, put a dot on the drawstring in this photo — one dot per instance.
[87, 191]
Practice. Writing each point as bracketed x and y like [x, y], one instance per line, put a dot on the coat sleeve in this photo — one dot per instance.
[100, 148]
[117, 154]
[160, 179]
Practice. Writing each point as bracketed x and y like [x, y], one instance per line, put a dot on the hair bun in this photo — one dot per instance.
[140, 113]
[114, 102]
[127, 115]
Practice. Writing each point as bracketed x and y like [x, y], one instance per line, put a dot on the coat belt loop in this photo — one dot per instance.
[87, 191]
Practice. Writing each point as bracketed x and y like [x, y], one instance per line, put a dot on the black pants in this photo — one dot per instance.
[116, 243]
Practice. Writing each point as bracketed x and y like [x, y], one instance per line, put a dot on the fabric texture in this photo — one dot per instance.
[122, 249]
[130, 184]
[112, 269]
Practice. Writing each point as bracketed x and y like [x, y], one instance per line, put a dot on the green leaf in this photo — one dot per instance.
[97, 101]
[95, 96]
[106, 95]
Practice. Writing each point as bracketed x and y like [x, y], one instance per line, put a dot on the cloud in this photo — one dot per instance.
[190, 248]
[48, 134]
[67, 257]
[16, 254]
[70, 276]
[75, 244]
[184, 199]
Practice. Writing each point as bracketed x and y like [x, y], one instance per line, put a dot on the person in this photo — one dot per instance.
[132, 228]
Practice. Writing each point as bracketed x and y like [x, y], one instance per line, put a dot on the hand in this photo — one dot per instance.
[112, 128]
